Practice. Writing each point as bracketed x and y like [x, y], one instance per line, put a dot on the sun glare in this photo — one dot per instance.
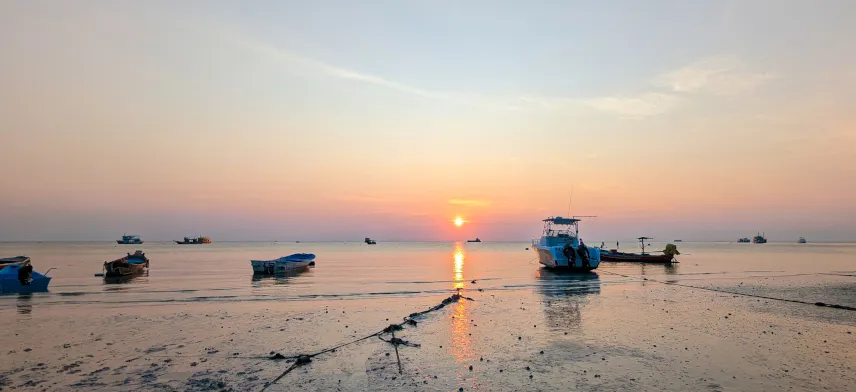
[459, 222]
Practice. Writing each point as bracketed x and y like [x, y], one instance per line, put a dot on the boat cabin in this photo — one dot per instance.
[559, 231]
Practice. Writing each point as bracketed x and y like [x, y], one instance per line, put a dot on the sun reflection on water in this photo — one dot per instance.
[460, 348]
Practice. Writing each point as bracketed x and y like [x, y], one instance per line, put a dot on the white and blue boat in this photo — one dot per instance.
[283, 264]
[130, 240]
[16, 278]
[560, 246]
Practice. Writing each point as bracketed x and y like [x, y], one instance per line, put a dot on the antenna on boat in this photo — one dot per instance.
[570, 199]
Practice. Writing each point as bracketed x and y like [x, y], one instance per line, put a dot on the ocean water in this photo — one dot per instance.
[728, 316]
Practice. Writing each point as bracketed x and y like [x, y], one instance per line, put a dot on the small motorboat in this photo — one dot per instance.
[130, 240]
[668, 255]
[475, 240]
[17, 260]
[283, 264]
[802, 240]
[744, 240]
[17, 278]
[132, 264]
[370, 241]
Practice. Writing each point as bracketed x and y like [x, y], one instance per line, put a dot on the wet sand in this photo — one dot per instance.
[526, 329]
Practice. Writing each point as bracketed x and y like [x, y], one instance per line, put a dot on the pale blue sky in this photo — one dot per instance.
[251, 119]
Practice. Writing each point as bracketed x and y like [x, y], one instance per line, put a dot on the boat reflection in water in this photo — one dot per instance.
[461, 347]
[565, 293]
[279, 279]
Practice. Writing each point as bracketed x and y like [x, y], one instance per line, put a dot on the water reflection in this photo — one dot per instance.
[565, 293]
[121, 283]
[461, 347]
[25, 305]
[278, 279]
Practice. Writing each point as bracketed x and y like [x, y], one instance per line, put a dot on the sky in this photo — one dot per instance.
[337, 120]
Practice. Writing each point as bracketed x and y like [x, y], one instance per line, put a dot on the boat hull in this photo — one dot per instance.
[553, 257]
[120, 242]
[36, 285]
[636, 258]
[136, 264]
[272, 267]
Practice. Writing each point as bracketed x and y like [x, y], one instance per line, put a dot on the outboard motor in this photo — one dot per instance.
[569, 253]
[584, 255]
[24, 274]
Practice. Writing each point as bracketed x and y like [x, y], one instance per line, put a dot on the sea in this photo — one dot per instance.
[727, 316]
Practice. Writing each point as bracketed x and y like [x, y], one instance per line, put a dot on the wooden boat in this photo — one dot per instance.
[668, 255]
[132, 264]
[17, 260]
[18, 278]
[194, 241]
[370, 241]
[283, 264]
[475, 240]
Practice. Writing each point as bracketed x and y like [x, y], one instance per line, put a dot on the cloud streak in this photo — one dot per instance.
[717, 76]
[470, 203]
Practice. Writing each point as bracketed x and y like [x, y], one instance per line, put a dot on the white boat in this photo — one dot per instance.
[560, 246]
[802, 240]
[283, 264]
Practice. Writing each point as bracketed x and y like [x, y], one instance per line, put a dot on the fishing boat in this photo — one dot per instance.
[668, 255]
[194, 241]
[370, 241]
[132, 264]
[283, 264]
[20, 278]
[744, 240]
[130, 240]
[759, 239]
[802, 240]
[561, 247]
[475, 240]
[17, 260]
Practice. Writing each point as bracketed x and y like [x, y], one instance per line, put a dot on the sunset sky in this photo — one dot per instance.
[337, 120]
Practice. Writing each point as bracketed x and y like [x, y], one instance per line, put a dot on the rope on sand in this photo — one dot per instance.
[304, 359]
[796, 301]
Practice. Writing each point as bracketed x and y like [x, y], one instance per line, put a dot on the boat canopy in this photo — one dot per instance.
[561, 221]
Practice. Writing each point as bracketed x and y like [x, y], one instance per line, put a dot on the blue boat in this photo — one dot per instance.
[16, 278]
[130, 240]
[283, 264]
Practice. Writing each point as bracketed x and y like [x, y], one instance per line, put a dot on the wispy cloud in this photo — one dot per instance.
[718, 76]
[470, 202]
[642, 105]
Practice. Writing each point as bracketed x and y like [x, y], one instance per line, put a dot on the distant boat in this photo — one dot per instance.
[802, 240]
[744, 239]
[668, 255]
[560, 246]
[475, 240]
[759, 239]
[283, 264]
[17, 260]
[132, 264]
[194, 241]
[370, 241]
[129, 240]
[679, 240]
[20, 278]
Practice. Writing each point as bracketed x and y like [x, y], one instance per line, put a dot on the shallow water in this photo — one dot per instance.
[622, 327]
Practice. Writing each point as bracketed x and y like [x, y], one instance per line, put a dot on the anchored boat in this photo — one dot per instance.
[370, 241]
[668, 255]
[130, 240]
[759, 239]
[20, 278]
[132, 264]
[561, 247]
[802, 240]
[475, 240]
[283, 264]
[744, 240]
[194, 241]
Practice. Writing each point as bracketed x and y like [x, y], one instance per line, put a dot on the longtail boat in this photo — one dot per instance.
[132, 264]
[668, 255]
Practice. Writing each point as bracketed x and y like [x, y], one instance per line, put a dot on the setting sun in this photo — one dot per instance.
[459, 222]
